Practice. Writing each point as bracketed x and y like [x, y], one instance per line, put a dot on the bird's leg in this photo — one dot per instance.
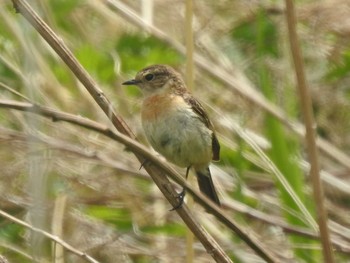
[187, 171]
[182, 194]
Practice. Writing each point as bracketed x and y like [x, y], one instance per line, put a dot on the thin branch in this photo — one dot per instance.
[306, 106]
[50, 236]
[127, 136]
[16, 249]
[4, 86]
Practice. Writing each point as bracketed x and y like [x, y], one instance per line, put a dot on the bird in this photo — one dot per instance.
[177, 126]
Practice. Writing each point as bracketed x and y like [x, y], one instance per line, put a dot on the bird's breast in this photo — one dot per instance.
[175, 131]
[161, 106]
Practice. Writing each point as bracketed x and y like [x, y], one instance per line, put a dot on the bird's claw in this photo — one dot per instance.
[181, 198]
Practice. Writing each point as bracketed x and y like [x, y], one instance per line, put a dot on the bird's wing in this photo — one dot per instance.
[203, 116]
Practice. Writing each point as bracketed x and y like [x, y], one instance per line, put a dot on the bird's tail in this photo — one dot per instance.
[206, 185]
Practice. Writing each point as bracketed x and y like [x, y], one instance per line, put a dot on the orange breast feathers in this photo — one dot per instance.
[161, 105]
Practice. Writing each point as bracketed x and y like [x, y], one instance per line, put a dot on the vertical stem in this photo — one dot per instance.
[189, 83]
[57, 226]
[306, 105]
[37, 158]
[147, 11]
[189, 44]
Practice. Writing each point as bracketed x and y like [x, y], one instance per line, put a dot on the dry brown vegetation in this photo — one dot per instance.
[78, 179]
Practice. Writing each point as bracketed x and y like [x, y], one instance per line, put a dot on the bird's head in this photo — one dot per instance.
[156, 79]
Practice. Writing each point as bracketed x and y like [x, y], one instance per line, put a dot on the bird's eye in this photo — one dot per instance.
[149, 77]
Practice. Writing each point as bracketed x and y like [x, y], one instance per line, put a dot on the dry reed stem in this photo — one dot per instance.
[307, 112]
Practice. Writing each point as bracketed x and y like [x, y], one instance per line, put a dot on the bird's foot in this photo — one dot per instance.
[181, 198]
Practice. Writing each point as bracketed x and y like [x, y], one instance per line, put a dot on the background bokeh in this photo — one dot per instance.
[89, 190]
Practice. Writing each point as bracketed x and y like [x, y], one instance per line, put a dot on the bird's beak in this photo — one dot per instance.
[131, 82]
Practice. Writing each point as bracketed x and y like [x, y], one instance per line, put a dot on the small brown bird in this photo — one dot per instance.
[176, 125]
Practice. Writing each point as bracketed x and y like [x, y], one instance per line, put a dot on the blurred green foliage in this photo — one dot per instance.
[139, 51]
[113, 51]
[170, 229]
[119, 217]
[247, 32]
[96, 62]
[340, 69]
